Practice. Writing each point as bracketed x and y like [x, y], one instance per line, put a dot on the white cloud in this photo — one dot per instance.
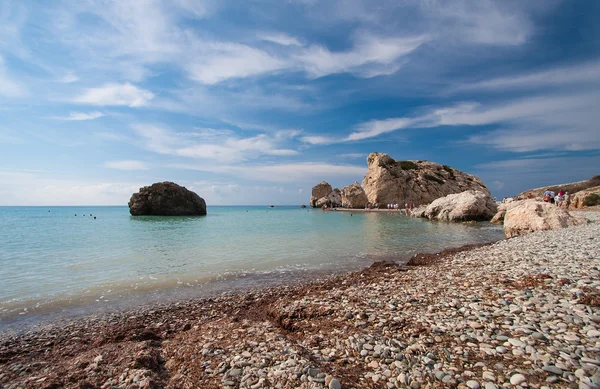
[287, 172]
[377, 127]
[371, 56]
[8, 86]
[223, 61]
[319, 140]
[280, 39]
[561, 121]
[77, 116]
[211, 144]
[126, 165]
[115, 95]
[68, 78]
[485, 22]
[575, 75]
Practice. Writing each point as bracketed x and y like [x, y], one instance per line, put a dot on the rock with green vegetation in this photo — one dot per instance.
[586, 198]
[389, 181]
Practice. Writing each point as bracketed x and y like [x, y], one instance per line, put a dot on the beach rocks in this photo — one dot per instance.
[572, 188]
[465, 206]
[322, 194]
[586, 198]
[353, 196]
[537, 216]
[166, 199]
[418, 182]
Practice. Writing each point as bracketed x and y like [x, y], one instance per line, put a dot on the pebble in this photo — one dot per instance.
[517, 379]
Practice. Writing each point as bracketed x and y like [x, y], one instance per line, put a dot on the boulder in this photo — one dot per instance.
[418, 182]
[466, 206]
[353, 196]
[503, 207]
[532, 216]
[166, 199]
[322, 194]
[319, 192]
[586, 198]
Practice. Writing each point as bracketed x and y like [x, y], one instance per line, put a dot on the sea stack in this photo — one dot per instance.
[389, 181]
[166, 199]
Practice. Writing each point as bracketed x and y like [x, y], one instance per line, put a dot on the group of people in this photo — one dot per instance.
[560, 199]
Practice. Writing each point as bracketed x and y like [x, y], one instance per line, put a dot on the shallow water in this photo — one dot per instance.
[55, 261]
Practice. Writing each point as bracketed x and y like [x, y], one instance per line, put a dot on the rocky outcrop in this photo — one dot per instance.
[532, 216]
[418, 182]
[353, 196]
[166, 199]
[466, 206]
[322, 194]
[586, 198]
[504, 207]
[572, 188]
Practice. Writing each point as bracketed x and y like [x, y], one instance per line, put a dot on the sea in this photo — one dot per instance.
[66, 262]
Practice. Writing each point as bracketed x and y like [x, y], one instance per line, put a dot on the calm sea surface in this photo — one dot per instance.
[60, 261]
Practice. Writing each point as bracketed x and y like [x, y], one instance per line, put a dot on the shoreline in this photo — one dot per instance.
[383, 325]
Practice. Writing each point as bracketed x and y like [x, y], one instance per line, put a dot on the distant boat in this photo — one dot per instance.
[303, 206]
[272, 206]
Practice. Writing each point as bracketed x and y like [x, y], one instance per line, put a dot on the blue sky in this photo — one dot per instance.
[255, 102]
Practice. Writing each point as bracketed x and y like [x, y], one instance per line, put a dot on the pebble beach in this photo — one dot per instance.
[519, 313]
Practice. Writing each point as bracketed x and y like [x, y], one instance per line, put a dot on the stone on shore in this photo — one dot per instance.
[504, 207]
[323, 194]
[465, 206]
[353, 196]
[537, 216]
[418, 182]
[586, 198]
[166, 199]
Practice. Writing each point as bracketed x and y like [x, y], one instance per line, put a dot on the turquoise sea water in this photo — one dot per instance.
[57, 261]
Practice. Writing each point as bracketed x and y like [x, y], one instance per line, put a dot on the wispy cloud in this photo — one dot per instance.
[210, 144]
[371, 56]
[575, 75]
[114, 95]
[280, 39]
[286, 172]
[68, 78]
[556, 121]
[126, 165]
[77, 116]
[9, 87]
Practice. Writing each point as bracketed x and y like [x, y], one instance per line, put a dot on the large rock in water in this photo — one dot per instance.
[166, 199]
[532, 216]
[419, 182]
[353, 196]
[460, 207]
[322, 194]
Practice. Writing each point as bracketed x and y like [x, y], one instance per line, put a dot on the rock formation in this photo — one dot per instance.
[419, 182]
[532, 216]
[459, 207]
[504, 207]
[586, 198]
[322, 194]
[572, 188]
[166, 199]
[353, 196]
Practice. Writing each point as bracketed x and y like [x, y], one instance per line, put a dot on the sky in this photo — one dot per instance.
[255, 102]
